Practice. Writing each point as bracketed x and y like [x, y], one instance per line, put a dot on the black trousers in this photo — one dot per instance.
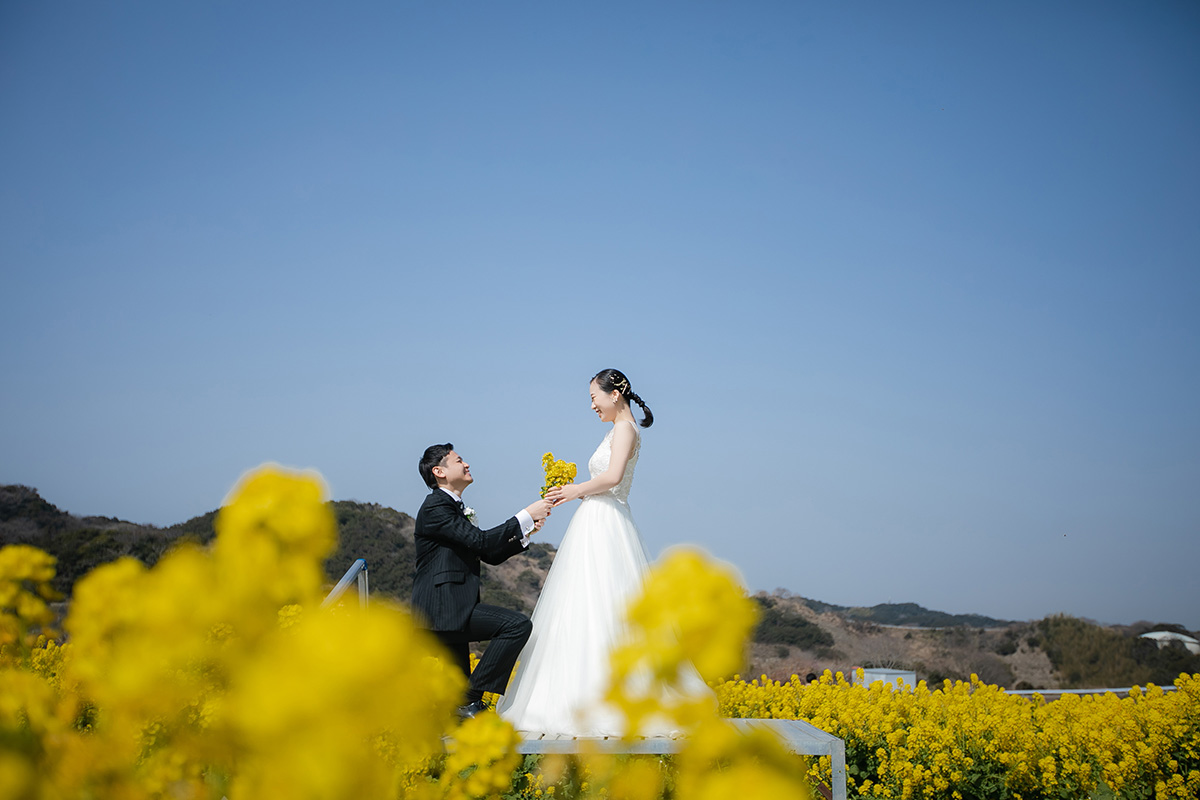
[506, 629]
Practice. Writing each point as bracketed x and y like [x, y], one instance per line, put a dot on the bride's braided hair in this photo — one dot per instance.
[614, 380]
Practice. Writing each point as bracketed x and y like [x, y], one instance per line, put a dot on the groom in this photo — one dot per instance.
[446, 577]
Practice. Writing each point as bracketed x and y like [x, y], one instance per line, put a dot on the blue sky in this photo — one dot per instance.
[912, 289]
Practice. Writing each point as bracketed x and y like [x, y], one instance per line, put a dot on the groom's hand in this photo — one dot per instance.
[539, 510]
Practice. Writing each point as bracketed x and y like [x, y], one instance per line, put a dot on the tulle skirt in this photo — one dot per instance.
[563, 672]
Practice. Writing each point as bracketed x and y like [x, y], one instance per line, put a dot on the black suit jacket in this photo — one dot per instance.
[449, 549]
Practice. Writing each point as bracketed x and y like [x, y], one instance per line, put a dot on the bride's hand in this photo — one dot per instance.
[563, 494]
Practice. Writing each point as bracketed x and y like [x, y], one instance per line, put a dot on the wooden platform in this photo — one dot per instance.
[799, 737]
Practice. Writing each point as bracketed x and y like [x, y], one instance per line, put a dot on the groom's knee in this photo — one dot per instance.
[522, 629]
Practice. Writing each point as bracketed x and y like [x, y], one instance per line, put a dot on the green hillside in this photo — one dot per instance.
[82, 543]
[1085, 654]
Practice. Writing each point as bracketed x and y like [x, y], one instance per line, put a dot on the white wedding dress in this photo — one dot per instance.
[563, 672]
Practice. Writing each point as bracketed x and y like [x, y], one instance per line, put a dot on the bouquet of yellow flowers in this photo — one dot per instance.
[558, 472]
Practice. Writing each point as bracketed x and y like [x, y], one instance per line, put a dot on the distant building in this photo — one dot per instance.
[901, 677]
[1164, 638]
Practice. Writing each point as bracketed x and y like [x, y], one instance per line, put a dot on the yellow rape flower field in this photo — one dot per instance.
[217, 674]
[972, 740]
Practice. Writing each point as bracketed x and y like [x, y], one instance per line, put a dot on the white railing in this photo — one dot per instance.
[357, 570]
[1051, 694]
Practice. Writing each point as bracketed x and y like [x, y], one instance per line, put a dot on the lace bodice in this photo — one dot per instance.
[598, 463]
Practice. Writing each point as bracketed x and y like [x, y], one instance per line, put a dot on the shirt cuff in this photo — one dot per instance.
[526, 523]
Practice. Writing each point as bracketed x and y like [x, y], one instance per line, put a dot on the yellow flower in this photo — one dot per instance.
[691, 611]
[558, 473]
[277, 521]
[720, 762]
[639, 779]
[318, 692]
[25, 575]
[482, 754]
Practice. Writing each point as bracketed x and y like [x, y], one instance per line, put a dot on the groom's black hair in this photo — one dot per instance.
[431, 458]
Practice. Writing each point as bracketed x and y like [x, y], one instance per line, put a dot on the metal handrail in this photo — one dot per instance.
[357, 570]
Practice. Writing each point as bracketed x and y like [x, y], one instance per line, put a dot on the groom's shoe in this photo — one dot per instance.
[471, 709]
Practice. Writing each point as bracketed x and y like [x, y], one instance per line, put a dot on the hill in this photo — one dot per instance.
[1058, 652]
[81, 543]
[907, 614]
[795, 635]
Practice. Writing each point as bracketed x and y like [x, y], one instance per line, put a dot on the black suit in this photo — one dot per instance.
[446, 589]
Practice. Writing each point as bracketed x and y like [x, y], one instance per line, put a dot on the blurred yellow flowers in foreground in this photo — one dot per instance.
[181, 680]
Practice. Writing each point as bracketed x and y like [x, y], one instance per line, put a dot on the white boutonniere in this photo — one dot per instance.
[469, 513]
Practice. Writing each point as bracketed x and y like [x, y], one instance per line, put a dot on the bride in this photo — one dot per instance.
[563, 671]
